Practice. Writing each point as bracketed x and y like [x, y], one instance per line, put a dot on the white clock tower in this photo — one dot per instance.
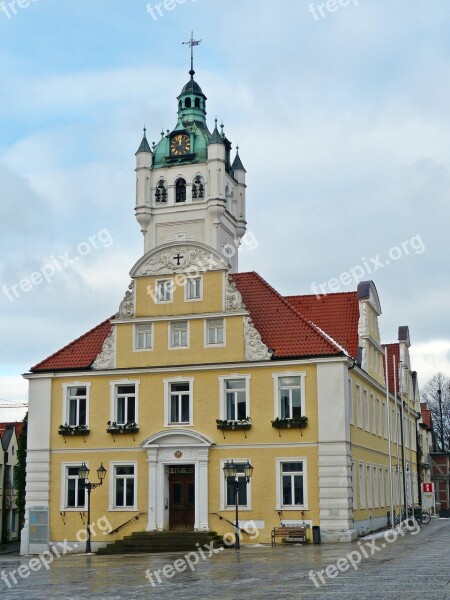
[187, 188]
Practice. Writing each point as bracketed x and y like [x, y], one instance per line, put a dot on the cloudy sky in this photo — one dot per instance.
[342, 117]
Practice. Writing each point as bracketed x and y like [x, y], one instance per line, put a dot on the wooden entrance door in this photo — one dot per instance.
[182, 498]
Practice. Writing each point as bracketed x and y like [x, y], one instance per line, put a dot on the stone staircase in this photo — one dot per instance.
[147, 542]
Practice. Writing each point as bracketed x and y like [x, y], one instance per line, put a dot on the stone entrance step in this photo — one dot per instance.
[147, 542]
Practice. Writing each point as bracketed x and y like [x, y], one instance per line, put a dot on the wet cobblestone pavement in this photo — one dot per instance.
[413, 568]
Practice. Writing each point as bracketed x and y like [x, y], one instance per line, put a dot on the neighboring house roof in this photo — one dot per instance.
[6, 433]
[392, 350]
[79, 354]
[283, 329]
[18, 426]
[337, 314]
[426, 416]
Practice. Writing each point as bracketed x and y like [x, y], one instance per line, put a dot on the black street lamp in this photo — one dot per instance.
[83, 476]
[230, 471]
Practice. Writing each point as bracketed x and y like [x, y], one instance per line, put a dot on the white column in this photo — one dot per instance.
[201, 484]
[152, 459]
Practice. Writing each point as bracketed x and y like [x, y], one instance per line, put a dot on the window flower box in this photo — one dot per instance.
[241, 425]
[295, 423]
[67, 430]
[130, 427]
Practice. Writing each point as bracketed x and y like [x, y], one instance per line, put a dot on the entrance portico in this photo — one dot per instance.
[168, 452]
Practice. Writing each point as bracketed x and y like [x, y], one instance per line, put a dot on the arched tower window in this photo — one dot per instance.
[161, 192]
[188, 103]
[198, 188]
[197, 103]
[180, 191]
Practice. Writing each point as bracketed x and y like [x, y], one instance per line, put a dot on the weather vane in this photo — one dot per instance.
[192, 43]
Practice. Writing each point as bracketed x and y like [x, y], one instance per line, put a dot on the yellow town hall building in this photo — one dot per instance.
[202, 365]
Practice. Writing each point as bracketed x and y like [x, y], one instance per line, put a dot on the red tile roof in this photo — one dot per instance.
[79, 354]
[336, 314]
[283, 329]
[392, 350]
[18, 425]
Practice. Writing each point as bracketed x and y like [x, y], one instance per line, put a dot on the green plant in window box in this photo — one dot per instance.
[67, 429]
[228, 425]
[297, 422]
[130, 427]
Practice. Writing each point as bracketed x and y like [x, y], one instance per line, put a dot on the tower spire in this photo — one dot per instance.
[192, 42]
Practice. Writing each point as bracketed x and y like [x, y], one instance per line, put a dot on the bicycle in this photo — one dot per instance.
[415, 513]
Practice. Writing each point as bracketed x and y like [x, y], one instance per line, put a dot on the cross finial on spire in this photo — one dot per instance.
[192, 42]
[145, 131]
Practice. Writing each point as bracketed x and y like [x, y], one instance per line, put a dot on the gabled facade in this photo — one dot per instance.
[9, 528]
[203, 364]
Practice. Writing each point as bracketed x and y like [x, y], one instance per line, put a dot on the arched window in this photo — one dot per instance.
[180, 191]
[188, 103]
[198, 189]
[161, 192]
[197, 103]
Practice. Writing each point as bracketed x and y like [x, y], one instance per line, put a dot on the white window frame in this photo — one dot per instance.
[112, 485]
[382, 492]
[167, 383]
[65, 400]
[359, 410]
[375, 487]
[276, 386]
[113, 405]
[187, 334]
[187, 298]
[362, 485]
[223, 487]
[374, 413]
[136, 334]
[387, 487]
[223, 397]
[221, 344]
[380, 418]
[158, 299]
[64, 479]
[350, 402]
[366, 410]
[369, 493]
[353, 484]
[279, 490]
[385, 421]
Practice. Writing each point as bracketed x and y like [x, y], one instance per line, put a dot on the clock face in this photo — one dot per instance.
[180, 144]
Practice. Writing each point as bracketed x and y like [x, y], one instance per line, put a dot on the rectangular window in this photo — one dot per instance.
[236, 399]
[179, 403]
[375, 487]
[292, 484]
[369, 486]
[350, 400]
[14, 520]
[290, 397]
[179, 334]
[367, 410]
[164, 290]
[124, 486]
[385, 421]
[359, 405]
[380, 418]
[387, 487]
[194, 288]
[353, 485]
[362, 487]
[125, 404]
[76, 406]
[374, 413]
[381, 480]
[75, 494]
[143, 339]
[215, 329]
[230, 500]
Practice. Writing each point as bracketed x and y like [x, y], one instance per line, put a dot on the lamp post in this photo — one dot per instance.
[83, 477]
[230, 471]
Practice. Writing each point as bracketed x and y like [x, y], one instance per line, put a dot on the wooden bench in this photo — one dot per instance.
[290, 534]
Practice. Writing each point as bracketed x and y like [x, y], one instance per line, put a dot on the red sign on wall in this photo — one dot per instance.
[428, 488]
